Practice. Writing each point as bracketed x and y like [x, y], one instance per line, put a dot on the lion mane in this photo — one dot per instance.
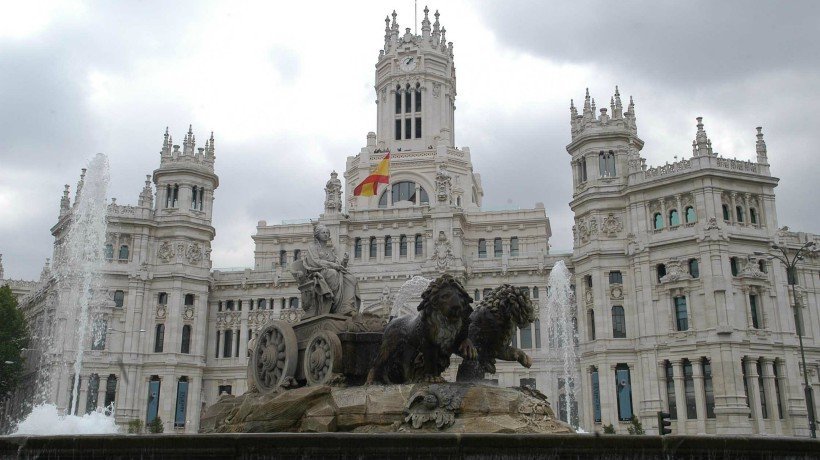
[491, 329]
[415, 348]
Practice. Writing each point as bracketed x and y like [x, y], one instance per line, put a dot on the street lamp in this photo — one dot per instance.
[791, 272]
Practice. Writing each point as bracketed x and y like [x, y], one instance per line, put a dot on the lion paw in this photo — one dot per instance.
[433, 379]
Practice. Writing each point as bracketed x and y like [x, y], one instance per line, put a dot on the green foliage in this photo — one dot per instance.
[608, 429]
[156, 426]
[13, 338]
[135, 426]
[635, 426]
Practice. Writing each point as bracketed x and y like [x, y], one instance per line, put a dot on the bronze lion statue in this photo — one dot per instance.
[418, 348]
[492, 327]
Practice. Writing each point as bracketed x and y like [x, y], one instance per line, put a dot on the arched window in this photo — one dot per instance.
[407, 99]
[606, 163]
[726, 216]
[176, 196]
[169, 196]
[373, 248]
[498, 249]
[398, 104]
[297, 254]
[733, 265]
[109, 251]
[657, 221]
[405, 191]
[162, 298]
[674, 218]
[482, 248]
[283, 258]
[418, 98]
[123, 252]
[201, 197]
[753, 215]
[419, 245]
[661, 269]
[189, 299]
[691, 216]
[186, 339]
[388, 246]
[119, 298]
[159, 338]
[739, 213]
[194, 196]
[357, 248]
[403, 246]
[618, 322]
[694, 268]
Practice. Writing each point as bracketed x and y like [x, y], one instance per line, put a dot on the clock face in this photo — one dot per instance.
[408, 63]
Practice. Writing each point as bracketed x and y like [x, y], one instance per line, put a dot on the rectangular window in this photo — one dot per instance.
[618, 322]
[403, 246]
[398, 102]
[681, 316]
[93, 392]
[119, 298]
[218, 336]
[537, 326]
[153, 399]
[760, 384]
[408, 129]
[182, 403]
[624, 389]
[224, 390]
[615, 277]
[670, 392]
[778, 399]
[419, 246]
[482, 248]
[236, 350]
[227, 340]
[583, 170]
[159, 338]
[388, 246]
[398, 130]
[591, 323]
[755, 311]
[689, 390]
[526, 337]
[408, 102]
[418, 127]
[418, 100]
[110, 393]
[708, 389]
[373, 248]
[514, 246]
[596, 396]
[357, 248]
[98, 333]
[497, 247]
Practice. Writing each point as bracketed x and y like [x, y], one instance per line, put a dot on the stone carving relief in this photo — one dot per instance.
[188, 314]
[436, 90]
[443, 254]
[752, 269]
[444, 185]
[166, 252]
[194, 253]
[611, 225]
[436, 403]
[675, 271]
[161, 311]
[586, 227]
[712, 224]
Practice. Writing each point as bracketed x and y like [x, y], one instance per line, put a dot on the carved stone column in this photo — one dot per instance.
[771, 394]
[754, 393]
[733, 211]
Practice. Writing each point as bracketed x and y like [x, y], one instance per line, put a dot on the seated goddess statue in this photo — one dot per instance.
[325, 283]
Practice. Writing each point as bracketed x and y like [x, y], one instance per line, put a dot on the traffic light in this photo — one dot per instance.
[664, 423]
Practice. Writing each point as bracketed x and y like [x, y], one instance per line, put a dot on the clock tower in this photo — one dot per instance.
[415, 87]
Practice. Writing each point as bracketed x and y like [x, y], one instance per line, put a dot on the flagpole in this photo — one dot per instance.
[415, 17]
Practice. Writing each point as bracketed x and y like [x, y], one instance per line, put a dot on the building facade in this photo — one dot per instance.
[674, 310]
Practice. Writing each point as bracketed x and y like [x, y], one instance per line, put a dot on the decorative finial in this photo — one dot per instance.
[760, 146]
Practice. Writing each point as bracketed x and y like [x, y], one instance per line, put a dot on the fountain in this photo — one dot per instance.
[77, 272]
[558, 324]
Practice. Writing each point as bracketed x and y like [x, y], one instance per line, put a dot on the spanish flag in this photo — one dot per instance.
[381, 175]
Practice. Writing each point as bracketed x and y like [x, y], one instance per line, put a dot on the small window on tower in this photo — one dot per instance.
[418, 97]
[418, 127]
[407, 128]
[408, 100]
[398, 99]
[398, 130]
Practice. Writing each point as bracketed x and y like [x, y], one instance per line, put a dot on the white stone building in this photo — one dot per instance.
[178, 331]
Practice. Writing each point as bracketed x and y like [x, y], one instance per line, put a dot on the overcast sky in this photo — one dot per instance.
[77, 78]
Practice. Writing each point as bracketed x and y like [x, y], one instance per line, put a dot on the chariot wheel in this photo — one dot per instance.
[323, 358]
[275, 356]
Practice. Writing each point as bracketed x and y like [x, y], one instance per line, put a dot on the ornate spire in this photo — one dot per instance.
[760, 147]
[79, 189]
[592, 107]
[45, 274]
[436, 29]
[395, 25]
[702, 146]
[443, 38]
[166, 142]
[147, 195]
[618, 108]
[387, 33]
[612, 105]
[572, 110]
[209, 146]
[65, 202]
[425, 24]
